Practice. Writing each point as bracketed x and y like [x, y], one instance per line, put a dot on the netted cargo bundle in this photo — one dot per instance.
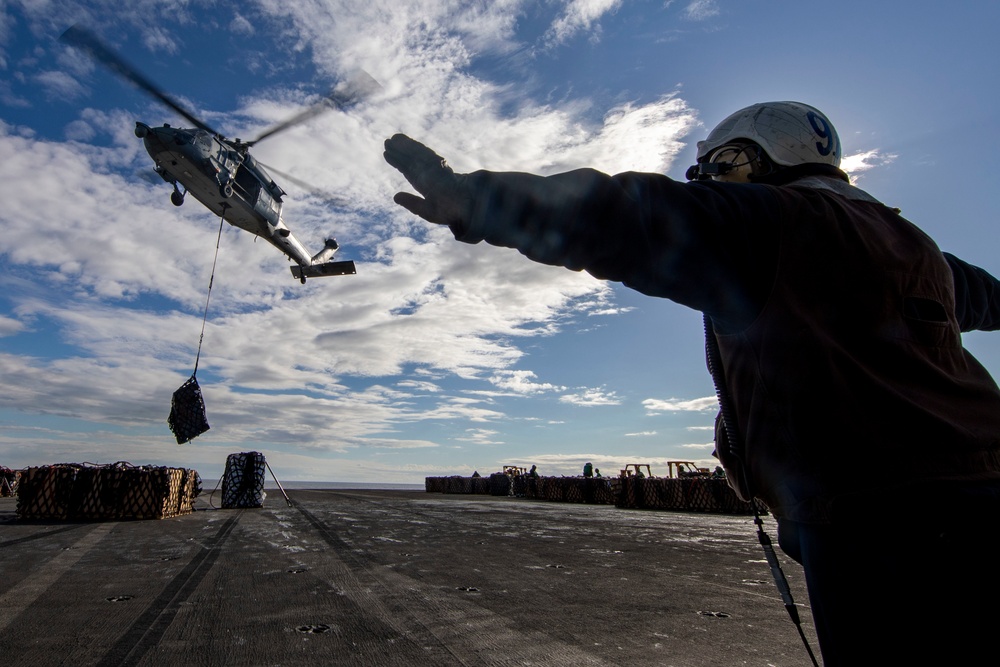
[520, 485]
[187, 417]
[650, 493]
[688, 494]
[574, 489]
[8, 482]
[600, 491]
[555, 488]
[434, 484]
[458, 484]
[44, 492]
[481, 485]
[626, 493]
[152, 493]
[243, 481]
[590, 490]
[499, 484]
[190, 490]
[705, 494]
[660, 494]
[98, 491]
[107, 492]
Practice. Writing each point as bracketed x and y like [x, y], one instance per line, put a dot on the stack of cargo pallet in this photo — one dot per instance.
[590, 490]
[693, 493]
[593, 490]
[686, 494]
[74, 491]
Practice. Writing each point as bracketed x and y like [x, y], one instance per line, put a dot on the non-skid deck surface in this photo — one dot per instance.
[395, 578]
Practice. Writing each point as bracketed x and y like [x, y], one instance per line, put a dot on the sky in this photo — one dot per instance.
[438, 357]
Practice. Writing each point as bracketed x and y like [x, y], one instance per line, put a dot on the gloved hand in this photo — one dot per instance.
[446, 200]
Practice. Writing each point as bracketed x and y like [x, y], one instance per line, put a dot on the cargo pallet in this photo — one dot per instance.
[696, 493]
[74, 492]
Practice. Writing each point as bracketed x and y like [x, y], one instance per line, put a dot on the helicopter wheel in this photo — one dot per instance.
[226, 190]
[176, 198]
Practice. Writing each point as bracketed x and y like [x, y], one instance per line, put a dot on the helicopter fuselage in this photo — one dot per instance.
[220, 172]
[225, 178]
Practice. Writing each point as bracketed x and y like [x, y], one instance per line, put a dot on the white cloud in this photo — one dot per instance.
[10, 326]
[591, 398]
[79, 130]
[480, 436]
[640, 434]
[240, 24]
[522, 382]
[60, 85]
[420, 386]
[158, 39]
[655, 405]
[389, 443]
[117, 277]
[578, 16]
[700, 10]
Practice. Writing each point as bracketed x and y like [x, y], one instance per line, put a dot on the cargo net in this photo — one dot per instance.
[591, 490]
[243, 480]
[187, 412]
[691, 494]
[74, 491]
[8, 482]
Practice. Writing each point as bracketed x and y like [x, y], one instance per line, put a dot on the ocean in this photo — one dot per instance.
[269, 484]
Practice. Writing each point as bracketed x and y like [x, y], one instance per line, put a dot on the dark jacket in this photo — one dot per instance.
[837, 320]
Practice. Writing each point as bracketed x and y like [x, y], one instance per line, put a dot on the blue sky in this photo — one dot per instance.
[437, 357]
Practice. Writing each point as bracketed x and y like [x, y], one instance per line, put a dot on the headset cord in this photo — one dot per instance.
[779, 578]
[713, 358]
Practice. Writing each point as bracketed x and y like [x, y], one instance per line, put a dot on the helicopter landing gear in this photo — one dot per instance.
[176, 197]
[226, 190]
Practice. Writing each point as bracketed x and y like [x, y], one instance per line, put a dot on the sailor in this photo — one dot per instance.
[833, 335]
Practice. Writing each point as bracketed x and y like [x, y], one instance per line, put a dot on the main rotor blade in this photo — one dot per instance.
[357, 89]
[339, 202]
[83, 39]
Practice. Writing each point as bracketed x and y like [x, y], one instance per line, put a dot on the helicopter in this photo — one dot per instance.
[220, 172]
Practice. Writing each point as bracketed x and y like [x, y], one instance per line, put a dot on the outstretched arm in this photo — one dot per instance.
[977, 296]
[710, 248]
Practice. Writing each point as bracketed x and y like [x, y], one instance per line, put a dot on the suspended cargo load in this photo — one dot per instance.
[188, 418]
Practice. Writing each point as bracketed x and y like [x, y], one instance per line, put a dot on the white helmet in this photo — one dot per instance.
[791, 133]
